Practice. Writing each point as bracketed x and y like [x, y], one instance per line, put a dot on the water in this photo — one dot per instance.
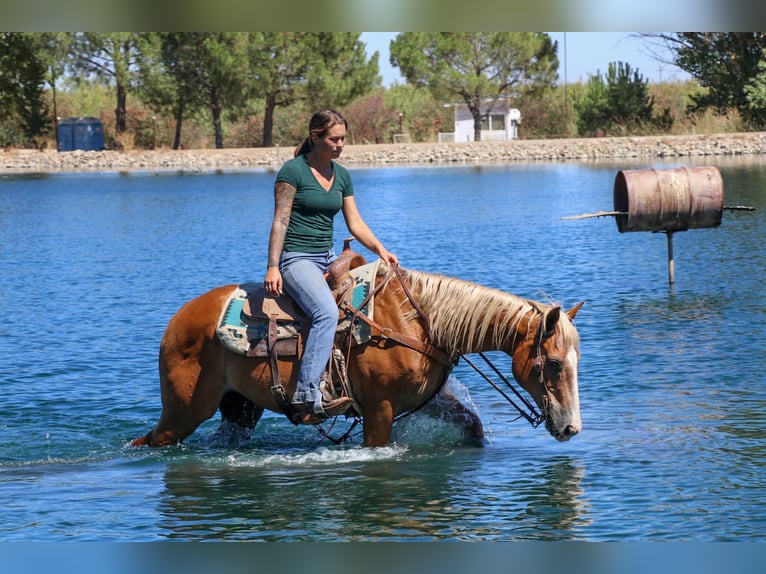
[673, 403]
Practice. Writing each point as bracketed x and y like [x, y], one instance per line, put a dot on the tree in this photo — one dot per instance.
[52, 49]
[342, 72]
[328, 69]
[755, 90]
[168, 77]
[112, 58]
[22, 78]
[723, 62]
[477, 67]
[592, 107]
[279, 63]
[184, 72]
[222, 75]
[620, 102]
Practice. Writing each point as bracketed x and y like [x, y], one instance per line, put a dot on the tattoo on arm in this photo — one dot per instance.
[284, 194]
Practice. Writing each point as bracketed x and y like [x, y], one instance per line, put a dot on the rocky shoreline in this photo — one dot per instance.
[209, 160]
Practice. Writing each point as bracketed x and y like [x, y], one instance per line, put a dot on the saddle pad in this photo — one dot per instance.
[238, 332]
[364, 281]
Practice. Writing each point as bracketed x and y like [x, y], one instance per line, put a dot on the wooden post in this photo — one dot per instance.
[671, 264]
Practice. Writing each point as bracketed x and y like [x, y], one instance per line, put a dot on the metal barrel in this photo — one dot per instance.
[668, 199]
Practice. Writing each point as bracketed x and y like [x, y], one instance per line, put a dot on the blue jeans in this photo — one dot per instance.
[303, 279]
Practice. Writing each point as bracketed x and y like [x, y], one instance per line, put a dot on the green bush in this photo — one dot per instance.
[618, 104]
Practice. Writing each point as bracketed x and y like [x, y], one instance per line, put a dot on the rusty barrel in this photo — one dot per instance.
[668, 199]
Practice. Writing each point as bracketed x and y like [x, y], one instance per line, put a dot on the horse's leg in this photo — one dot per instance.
[241, 411]
[378, 420]
[191, 364]
[190, 396]
[447, 407]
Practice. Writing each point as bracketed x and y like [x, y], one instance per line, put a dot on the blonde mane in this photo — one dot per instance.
[458, 311]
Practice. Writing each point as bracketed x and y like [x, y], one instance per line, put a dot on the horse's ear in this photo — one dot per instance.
[573, 311]
[551, 319]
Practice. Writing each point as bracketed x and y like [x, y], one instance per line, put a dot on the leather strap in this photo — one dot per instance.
[277, 390]
[411, 342]
[411, 298]
[387, 333]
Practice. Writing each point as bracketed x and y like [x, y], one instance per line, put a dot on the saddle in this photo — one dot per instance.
[260, 306]
[276, 327]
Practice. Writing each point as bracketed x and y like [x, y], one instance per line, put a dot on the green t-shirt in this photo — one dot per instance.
[311, 221]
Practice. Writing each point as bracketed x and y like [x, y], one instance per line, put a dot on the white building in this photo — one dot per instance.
[499, 123]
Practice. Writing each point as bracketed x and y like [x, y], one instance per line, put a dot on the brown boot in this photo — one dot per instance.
[336, 407]
[306, 415]
[333, 406]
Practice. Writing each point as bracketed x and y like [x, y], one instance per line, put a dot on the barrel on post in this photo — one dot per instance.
[668, 199]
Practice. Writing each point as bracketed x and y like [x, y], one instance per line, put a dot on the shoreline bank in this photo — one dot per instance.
[468, 153]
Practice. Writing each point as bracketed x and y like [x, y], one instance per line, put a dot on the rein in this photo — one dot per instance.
[529, 412]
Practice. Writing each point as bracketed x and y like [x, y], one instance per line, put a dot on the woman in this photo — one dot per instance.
[309, 190]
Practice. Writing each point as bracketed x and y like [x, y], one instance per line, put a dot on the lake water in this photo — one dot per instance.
[673, 446]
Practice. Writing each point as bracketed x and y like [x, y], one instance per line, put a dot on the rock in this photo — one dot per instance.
[205, 160]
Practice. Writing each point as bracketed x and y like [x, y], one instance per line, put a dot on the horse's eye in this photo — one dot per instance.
[554, 365]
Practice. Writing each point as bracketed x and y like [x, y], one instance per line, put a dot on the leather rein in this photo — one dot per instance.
[527, 411]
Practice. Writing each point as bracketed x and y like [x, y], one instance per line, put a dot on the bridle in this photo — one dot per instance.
[528, 410]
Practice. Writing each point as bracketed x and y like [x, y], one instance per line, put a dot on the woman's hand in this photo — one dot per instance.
[387, 256]
[273, 281]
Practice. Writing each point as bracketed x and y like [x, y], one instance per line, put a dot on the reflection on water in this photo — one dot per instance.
[397, 495]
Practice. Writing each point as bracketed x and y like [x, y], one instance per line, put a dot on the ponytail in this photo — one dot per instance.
[303, 147]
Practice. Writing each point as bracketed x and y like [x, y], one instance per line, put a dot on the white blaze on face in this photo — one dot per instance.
[571, 368]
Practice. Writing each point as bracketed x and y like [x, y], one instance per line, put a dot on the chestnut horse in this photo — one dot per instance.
[393, 373]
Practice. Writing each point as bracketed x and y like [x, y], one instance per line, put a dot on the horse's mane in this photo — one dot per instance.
[458, 311]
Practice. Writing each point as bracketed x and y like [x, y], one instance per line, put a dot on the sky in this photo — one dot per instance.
[586, 54]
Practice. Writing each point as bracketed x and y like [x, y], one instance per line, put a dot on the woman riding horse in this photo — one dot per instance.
[422, 323]
[309, 191]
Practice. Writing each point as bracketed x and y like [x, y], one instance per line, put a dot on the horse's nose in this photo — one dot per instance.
[570, 431]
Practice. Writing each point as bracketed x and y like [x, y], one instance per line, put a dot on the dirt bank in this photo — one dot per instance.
[204, 160]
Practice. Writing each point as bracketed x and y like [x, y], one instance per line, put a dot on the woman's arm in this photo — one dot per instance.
[284, 193]
[362, 232]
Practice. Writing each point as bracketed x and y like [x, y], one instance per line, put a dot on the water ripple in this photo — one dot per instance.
[670, 377]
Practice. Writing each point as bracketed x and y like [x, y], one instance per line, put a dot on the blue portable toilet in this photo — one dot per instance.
[85, 134]
[66, 134]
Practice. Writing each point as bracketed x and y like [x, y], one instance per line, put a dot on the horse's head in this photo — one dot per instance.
[545, 364]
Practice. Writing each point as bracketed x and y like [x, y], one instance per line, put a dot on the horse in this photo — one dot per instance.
[423, 324]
